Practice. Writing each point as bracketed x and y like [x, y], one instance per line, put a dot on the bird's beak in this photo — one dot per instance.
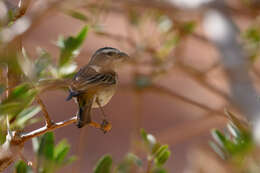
[123, 55]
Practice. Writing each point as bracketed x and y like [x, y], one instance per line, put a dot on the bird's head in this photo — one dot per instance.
[108, 57]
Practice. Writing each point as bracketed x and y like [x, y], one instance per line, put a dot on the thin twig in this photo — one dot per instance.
[46, 115]
[172, 94]
[45, 129]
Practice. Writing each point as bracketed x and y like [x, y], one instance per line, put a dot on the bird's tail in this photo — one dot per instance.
[84, 112]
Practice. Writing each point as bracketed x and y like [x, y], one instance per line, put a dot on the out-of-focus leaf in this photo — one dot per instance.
[188, 27]
[42, 63]
[219, 137]
[141, 81]
[61, 151]
[253, 34]
[159, 170]
[19, 98]
[46, 147]
[150, 141]
[25, 115]
[218, 150]
[135, 159]
[104, 165]
[77, 15]
[35, 144]
[70, 47]
[238, 123]
[167, 47]
[162, 155]
[134, 17]
[143, 134]
[22, 167]
[26, 64]
[164, 23]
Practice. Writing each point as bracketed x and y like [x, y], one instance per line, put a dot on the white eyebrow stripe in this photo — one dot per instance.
[109, 50]
[96, 68]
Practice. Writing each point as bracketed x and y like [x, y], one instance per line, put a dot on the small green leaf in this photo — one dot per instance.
[162, 157]
[46, 147]
[35, 144]
[25, 115]
[20, 97]
[159, 170]
[77, 15]
[143, 135]
[188, 27]
[141, 81]
[104, 165]
[22, 167]
[135, 159]
[218, 150]
[42, 63]
[162, 149]
[219, 137]
[61, 151]
[70, 46]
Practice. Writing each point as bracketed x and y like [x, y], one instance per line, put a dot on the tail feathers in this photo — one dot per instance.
[80, 119]
[84, 114]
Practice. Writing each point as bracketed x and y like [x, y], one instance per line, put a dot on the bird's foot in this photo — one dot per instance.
[106, 126]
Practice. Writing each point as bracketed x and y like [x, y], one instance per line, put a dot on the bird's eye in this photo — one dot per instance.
[110, 53]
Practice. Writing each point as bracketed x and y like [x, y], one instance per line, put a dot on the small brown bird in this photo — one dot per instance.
[94, 85]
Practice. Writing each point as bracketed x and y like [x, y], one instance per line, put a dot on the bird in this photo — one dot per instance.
[94, 85]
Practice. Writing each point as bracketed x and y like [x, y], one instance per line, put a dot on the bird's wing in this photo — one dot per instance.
[88, 78]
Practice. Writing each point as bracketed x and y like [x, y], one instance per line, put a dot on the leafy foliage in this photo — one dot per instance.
[69, 49]
[49, 157]
[236, 145]
[157, 155]
[26, 78]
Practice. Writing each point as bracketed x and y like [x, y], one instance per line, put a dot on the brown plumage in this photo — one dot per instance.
[94, 85]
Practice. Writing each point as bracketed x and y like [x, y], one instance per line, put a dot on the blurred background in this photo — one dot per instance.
[178, 86]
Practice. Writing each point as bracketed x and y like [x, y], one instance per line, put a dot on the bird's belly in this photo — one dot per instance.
[104, 96]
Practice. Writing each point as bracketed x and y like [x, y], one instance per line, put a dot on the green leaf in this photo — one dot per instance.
[253, 34]
[144, 135]
[159, 170]
[77, 15]
[61, 151]
[25, 115]
[162, 149]
[42, 63]
[142, 81]
[135, 159]
[20, 97]
[218, 150]
[70, 46]
[35, 144]
[46, 147]
[104, 165]
[163, 157]
[219, 137]
[188, 27]
[22, 167]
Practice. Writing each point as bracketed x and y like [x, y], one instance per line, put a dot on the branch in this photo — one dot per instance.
[47, 118]
[45, 129]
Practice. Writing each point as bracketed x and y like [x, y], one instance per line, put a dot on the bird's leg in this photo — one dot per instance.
[100, 107]
[105, 125]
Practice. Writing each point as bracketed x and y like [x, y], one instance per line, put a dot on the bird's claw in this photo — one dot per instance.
[105, 126]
